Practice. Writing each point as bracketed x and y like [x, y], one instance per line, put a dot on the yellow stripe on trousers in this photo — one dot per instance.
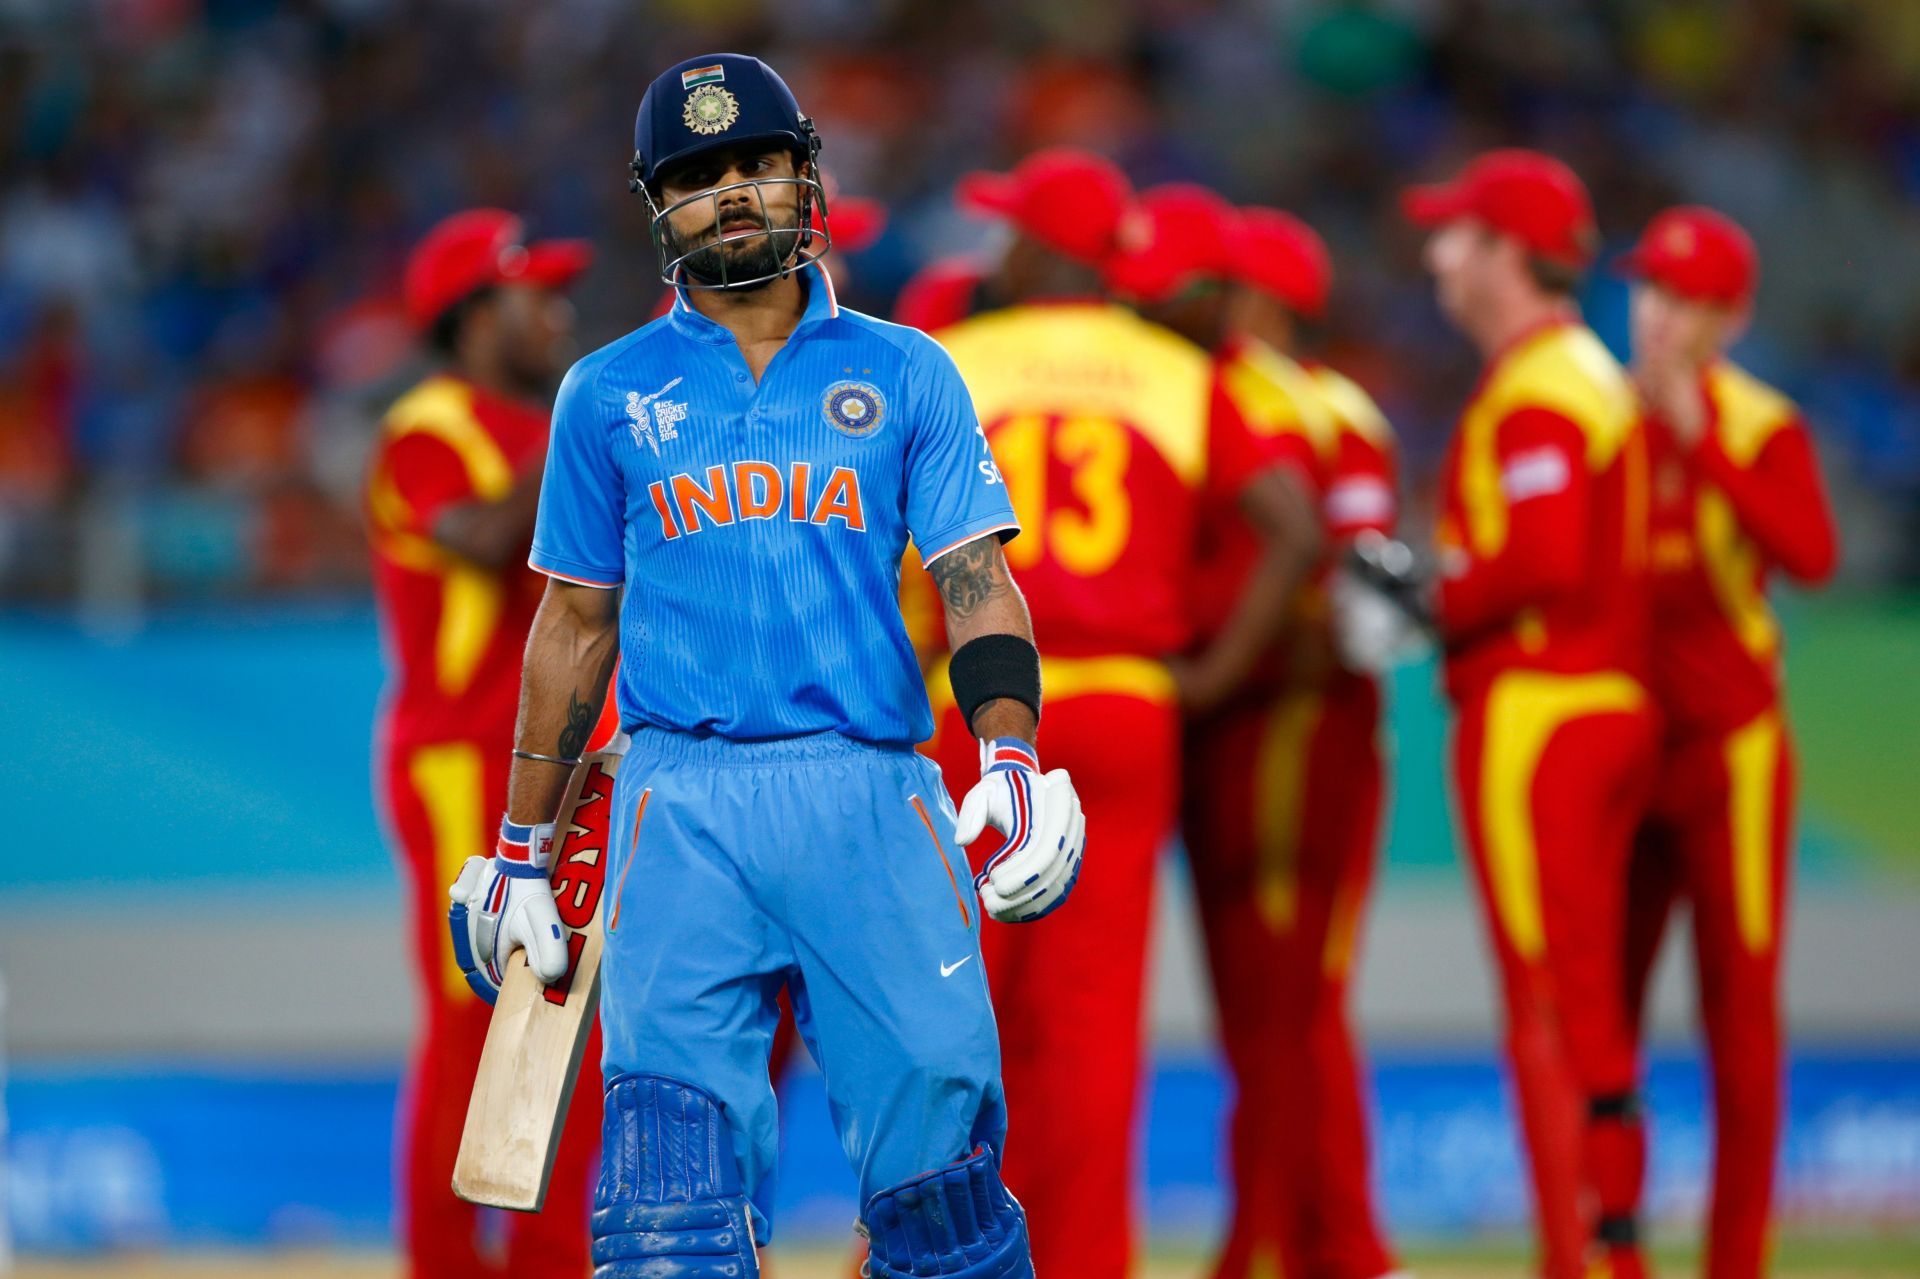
[1753, 765]
[1280, 792]
[1524, 710]
[448, 780]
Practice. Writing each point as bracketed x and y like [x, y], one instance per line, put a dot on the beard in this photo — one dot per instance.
[759, 253]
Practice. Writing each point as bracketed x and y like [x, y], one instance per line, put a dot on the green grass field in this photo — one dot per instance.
[1853, 676]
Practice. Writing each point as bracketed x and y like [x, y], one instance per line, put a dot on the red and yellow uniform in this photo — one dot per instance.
[1543, 609]
[1106, 431]
[454, 633]
[1745, 501]
[1282, 818]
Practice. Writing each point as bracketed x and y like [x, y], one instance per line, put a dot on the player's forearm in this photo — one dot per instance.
[570, 653]
[493, 534]
[979, 598]
[1488, 595]
[1004, 717]
[1258, 618]
[978, 594]
[1779, 502]
[1282, 512]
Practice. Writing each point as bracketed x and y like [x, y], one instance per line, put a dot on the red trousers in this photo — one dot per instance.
[1068, 990]
[1719, 837]
[1552, 775]
[444, 802]
[1282, 821]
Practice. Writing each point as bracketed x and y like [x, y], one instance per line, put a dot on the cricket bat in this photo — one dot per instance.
[538, 1034]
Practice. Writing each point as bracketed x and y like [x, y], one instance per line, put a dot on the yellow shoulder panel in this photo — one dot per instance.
[443, 408]
[1565, 370]
[1278, 397]
[1095, 360]
[1569, 371]
[1750, 411]
[1353, 407]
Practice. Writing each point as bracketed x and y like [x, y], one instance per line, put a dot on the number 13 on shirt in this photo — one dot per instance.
[1067, 478]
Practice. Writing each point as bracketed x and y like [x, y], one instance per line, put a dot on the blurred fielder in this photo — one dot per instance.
[1543, 613]
[1283, 800]
[728, 494]
[1736, 495]
[1112, 443]
[450, 508]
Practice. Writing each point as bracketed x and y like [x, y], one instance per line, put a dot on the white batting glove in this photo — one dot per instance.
[1045, 830]
[1372, 633]
[504, 903]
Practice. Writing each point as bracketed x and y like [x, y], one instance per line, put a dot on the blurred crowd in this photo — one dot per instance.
[206, 204]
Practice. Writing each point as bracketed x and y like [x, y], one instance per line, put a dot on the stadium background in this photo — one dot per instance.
[203, 211]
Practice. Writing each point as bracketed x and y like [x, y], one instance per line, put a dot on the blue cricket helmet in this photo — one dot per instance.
[723, 100]
[716, 100]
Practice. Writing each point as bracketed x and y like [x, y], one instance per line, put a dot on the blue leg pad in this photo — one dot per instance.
[669, 1204]
[957, 1222]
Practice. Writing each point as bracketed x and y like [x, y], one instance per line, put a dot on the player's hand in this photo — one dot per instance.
[1671, 384]
[1199, 682]
[1045, 830]
[1371, 633]
[504, 903]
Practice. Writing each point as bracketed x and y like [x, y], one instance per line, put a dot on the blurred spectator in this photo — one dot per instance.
[206, 200]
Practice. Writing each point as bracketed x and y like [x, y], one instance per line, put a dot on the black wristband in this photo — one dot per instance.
[995, 666]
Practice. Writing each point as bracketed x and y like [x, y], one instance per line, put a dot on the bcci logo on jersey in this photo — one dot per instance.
[655, 422]
[854, 408]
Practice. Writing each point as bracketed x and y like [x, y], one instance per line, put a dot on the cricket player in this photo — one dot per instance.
[450, 508]
[1111, 443]
[1736, 496]
[728, 494]
[1283, 801]
[1543, 609]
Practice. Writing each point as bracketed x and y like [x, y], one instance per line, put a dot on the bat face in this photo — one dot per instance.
[580, 869]
[539, 1034]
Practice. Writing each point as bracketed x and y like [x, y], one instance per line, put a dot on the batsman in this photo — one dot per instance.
[728, 494]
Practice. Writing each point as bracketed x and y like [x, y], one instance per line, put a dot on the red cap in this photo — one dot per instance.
[1182, 232]
[939, 294]
[1279, 254]
[471, 250]
[1699, 254]
[857, 222]
[1527, 195]
[1070, 200]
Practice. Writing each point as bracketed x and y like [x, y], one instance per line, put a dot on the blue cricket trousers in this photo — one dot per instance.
[827, 866]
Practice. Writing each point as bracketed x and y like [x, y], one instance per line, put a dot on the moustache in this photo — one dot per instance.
[736, 225]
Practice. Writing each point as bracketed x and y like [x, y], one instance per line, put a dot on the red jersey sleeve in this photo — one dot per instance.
[1779, 500]
[426, 475]
[1236, 452]
[1364, 492]
[1547, 491]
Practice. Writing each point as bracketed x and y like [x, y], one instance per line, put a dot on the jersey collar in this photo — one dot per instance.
[821, 306]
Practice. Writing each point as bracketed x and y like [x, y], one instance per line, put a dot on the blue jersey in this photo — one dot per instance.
[758, 529]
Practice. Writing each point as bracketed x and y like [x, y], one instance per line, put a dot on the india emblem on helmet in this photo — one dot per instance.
[710, 109]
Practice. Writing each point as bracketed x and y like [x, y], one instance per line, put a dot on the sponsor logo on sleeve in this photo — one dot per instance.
[1536, 472]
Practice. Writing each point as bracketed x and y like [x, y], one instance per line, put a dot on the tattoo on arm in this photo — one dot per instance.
[969, 576]
[580, 717]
